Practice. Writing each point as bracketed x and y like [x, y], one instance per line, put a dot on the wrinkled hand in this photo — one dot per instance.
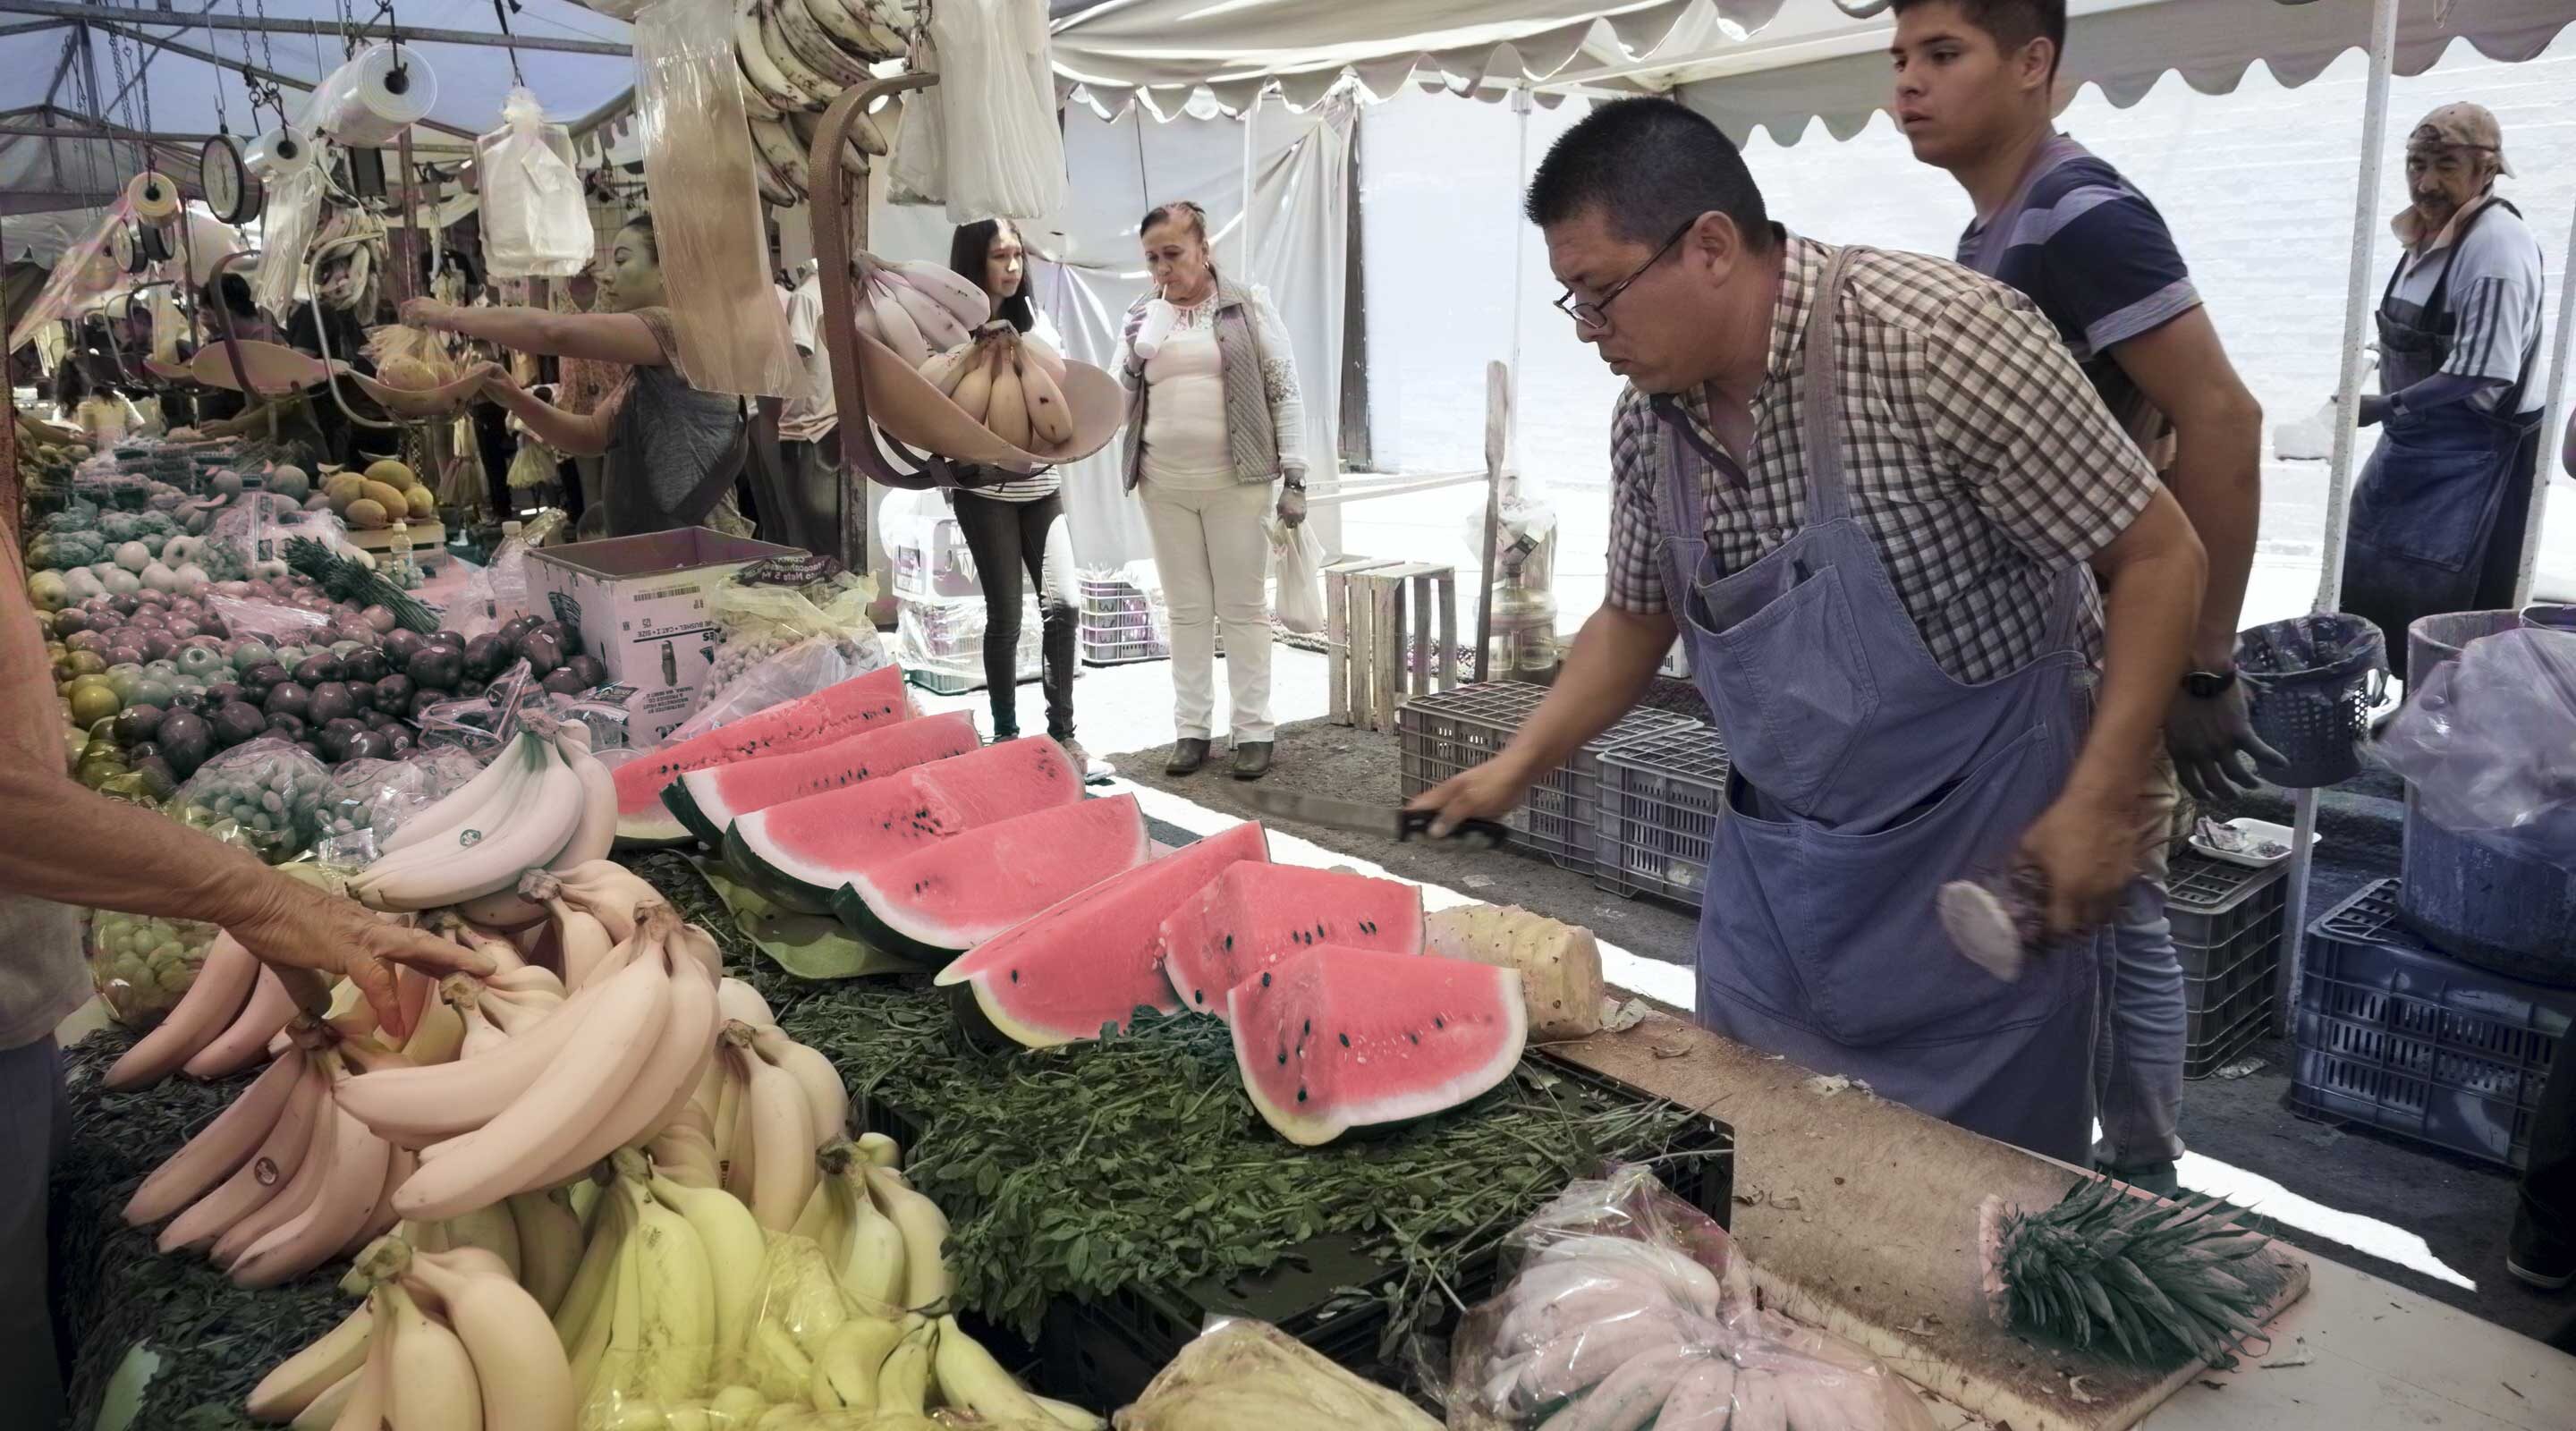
[1487, 792]
[293, 926]
[428, 313]
[2088, 849]
[2215, 750]
[1292, 507]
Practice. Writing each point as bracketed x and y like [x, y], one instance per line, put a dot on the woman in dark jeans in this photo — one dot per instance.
[1017, 526]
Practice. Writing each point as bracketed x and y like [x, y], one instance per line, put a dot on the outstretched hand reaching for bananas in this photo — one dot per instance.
[291, 925]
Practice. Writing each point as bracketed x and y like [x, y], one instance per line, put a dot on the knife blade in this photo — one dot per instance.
[1387, 822]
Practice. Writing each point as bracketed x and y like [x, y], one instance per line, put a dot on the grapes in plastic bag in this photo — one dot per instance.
[265, 796]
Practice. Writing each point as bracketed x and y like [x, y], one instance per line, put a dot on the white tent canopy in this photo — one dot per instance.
[1814, 62]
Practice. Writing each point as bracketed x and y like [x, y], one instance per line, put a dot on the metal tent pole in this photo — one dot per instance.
[2356, 317]
[2553, 424]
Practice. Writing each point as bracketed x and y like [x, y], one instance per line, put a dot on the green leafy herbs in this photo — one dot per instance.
[2161, 1283]
[344, 579]
[1110, 1170]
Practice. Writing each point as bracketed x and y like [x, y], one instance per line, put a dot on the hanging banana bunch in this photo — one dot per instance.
[796, 57]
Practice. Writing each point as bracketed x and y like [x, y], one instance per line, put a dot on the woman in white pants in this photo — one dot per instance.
[1213, 423]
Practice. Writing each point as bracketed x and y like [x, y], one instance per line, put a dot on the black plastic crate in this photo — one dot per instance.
[2417, 1044]
[1321, 1294]
[1443, 734]
[2227, 923]
[2227, 1010]
[1661, 797]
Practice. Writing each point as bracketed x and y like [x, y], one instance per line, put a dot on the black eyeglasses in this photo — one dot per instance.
[1596, 314]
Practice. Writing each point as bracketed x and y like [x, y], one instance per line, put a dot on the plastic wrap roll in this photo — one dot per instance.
[152, 196]
[368, 102]
[279, 151]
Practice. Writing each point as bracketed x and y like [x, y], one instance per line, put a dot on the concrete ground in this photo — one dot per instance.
[2424, 1218]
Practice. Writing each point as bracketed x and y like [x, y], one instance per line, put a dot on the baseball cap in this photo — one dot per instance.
[2462, 125]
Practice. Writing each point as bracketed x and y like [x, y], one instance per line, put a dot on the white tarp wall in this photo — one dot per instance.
[1299, 222]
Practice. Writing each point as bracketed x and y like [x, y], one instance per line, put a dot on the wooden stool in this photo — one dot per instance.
[1371, 667]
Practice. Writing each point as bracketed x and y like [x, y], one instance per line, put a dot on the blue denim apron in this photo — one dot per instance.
[1865, 777]
[2443, 487]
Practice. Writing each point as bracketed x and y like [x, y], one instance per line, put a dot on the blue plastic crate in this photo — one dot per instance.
[2417, 1044]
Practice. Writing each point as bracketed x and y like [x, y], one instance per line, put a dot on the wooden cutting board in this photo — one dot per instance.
[1861, 1217]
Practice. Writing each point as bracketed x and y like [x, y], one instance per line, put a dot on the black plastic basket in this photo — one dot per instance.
[2314, 679]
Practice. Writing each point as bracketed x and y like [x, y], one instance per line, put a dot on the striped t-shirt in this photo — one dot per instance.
[2492, 308]
[1046, 481]
[2097, 259]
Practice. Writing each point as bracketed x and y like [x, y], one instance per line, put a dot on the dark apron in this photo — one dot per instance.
[2438, 516]
[1864, 778]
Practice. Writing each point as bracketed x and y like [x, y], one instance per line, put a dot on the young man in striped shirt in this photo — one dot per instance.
[1975, 82]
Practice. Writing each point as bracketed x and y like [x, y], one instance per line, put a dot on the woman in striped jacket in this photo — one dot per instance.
[1214, 421]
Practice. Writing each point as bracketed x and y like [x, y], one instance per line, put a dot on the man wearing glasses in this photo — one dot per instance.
[1874, 495]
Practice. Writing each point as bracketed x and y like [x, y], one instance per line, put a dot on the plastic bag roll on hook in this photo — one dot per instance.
[368, 102]
[152, 196]
[279, 151]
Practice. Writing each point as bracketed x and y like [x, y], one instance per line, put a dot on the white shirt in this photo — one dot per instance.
[811, 417]
[1185, 447]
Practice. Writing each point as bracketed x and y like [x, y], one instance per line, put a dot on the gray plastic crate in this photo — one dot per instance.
[1442, 734]
[2227, 922]
[1661, 797]
[1121, 623]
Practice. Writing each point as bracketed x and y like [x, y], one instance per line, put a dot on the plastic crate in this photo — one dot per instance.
[2414, 1043]
[1324, 1294]
[1121, 623]
[1442, 734]
[1661, 796]
[2227, 925]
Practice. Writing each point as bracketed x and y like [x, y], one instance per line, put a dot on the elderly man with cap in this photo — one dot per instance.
[2437, 518]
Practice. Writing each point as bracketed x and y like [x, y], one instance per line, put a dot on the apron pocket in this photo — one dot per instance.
[2429, 502]
[1799, 660]
[1868, 943]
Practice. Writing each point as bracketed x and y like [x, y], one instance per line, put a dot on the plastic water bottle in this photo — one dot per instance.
[402, 554]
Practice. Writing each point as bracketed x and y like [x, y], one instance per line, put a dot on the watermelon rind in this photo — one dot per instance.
[1096, 952]
[874, 700]
[1092, 839]
[698, 797]
[808, 946]
[1461, 1007]
[945, 797]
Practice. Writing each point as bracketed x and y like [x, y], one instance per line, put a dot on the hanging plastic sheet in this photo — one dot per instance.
[715, 259]
[535, 224]
[1004, 149]
[81, 277]
[287, 227]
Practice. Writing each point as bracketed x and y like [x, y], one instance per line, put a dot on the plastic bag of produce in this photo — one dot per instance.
[799, 670]
[772, 605]
[2488, 742]
[365, 801]
[534, 222]
[1626, 1305]
[141, 965]
[1242, 1373]
[265, 795]
[270, 621]
[483, 722]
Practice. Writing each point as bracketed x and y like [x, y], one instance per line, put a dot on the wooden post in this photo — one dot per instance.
[1448, 666]
[1386, 658]
[1417, 657]
[1498, 419]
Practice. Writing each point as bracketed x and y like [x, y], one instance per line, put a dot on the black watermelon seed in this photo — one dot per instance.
[1346, 1040]
[1197, 997]
[1015, 976]
[1310, 1027]
[1265, 978]
[1417, 1038]
[1438, 1023]
[1283, 1058]
[1301, 1095]
[1229, 942]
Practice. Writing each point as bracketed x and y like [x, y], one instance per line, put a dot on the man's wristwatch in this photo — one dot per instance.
[1295, 481]
[2208, 685]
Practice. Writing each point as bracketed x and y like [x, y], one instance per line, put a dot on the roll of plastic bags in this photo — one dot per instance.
[534, 222]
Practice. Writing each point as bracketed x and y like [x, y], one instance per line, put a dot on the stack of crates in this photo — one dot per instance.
[1447, 732]
[2227, 924]
[941, 643]
[1122, 622]
[1660, 800]
[2408, 1041]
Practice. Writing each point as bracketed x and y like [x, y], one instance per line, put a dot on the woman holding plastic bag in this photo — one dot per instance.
[1017, 524]
[1213, 420]
[672, 451]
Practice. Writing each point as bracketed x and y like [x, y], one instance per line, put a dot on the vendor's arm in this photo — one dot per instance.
[1613, 657]
[2439, 390]
[607, 337]
[2495, 295]
[2063, 483]
[572, 434]
[109, 854]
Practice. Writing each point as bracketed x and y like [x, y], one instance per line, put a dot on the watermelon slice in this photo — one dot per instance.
[1332, 1039]
[709, 801]
[873, 700]
[1095, 958]
[1252, 916]
[935, 903]
[802, 852]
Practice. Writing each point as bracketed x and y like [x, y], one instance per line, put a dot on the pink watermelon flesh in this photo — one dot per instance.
[1094, 959]
[819, 843]
[709, 801]
[963, 891]
[1331, 1039]
[871, 701]
[1252, 916]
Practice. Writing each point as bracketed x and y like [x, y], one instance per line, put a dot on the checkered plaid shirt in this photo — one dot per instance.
[1975, 452]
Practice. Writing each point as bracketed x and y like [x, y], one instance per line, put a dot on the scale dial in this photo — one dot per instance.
[231, 190]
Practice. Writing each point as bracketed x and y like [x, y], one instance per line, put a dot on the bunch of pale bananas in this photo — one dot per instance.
[544, 803]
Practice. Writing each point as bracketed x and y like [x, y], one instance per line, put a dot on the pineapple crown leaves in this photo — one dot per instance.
[2161, 1283]
[346, 580]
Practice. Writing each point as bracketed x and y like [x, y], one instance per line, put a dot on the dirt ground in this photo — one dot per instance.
[2460, 1207]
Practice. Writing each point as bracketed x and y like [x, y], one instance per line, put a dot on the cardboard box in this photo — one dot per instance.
[645, 607]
